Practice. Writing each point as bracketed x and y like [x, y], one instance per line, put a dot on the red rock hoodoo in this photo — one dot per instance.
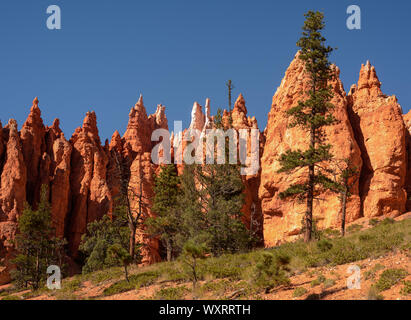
[84, 177]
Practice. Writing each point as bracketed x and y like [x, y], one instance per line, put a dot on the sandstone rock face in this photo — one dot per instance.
[282, 218]
[91, 198]
[407, 122]
[141, 183]
[60, 183]
[252, 211]
[138, 134]
[32, 139]
[12, 196]
[83, 177]
[13, 177]
[1, 145]
[380, 132]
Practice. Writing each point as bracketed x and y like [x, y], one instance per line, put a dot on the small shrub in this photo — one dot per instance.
[389, 278]
[172, 293]
[328, 283]
[324, 245]
[331, 233]
[374, 294]
[298, 292]
[406, 290]
[373, 222]
[354, 228]
[72, 285]
[271, 271]
[371, 273]
[320, 279]
[135, 282]
[387, 221]
[366, 237]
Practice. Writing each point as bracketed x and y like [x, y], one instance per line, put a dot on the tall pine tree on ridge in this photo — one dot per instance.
[312, 115]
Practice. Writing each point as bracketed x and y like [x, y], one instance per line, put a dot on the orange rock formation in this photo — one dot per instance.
[84, 177]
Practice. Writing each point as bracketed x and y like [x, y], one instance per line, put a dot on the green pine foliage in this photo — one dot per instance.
[101, 235]
[166, 224]
[312, 115]
[192, 252]
[271, 271]
[36, 245]
[211, 201]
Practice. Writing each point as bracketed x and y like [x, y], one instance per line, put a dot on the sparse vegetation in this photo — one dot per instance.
[389, 278]
[406, 289]
[328, 283]
[172, 293]
[370, 274]
[135, 282]
[354, 228]
[300, 291]
[234, 276]
[320, 279]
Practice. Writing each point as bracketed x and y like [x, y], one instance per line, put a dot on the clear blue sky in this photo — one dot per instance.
[177, 52]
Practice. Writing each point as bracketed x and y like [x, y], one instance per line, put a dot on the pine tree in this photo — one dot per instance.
[212, 199]
[192, 252]
[36, 244]
[312, 115]
[166, 223]
[101, 236]
[119, 255]
[346, 176]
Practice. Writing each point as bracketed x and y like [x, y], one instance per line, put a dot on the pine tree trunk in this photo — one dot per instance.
[126, 272]
[344, 205]
[310, 193]
[132, 241]
[194, 273]
[310, 200]
[169, 250]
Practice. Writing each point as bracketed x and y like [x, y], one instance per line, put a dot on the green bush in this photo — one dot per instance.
[406, 289]
[324, 245]
[389, 278]
[320, 279]
[72, 285]
[135, 282]
[298, 292]
[387, 221]
[373, 222]
[172, 293]
[328, 283]
[371, 273]
[271, 271]
[332, 233]
[354, 228]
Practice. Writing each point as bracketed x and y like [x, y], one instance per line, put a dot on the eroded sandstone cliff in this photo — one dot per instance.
[85, 178]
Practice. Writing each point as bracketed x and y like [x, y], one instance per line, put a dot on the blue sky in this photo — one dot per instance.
[176, 52]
